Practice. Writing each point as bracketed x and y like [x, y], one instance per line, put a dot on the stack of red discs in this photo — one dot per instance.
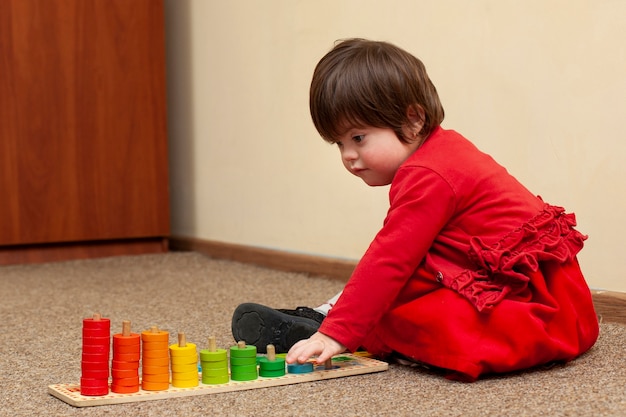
[95, 360]
[125, 364]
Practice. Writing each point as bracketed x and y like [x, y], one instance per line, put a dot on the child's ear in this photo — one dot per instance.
[416, 118]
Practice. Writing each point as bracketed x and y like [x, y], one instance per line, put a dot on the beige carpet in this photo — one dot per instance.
[42, 307]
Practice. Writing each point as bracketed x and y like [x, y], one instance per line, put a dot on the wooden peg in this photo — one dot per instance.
[154, 329]
[241, 344]
[271, 353]
[182, 341]
[126, 328]
[212, 344]
[328, 364]
[97, 316]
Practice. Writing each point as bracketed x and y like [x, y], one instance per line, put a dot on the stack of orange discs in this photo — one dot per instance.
[155, 365]
[184, 358]
[95, 360]
[125, 365]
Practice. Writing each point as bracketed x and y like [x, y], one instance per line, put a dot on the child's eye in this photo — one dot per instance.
[358, 138]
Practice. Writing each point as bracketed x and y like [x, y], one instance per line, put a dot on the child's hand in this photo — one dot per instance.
[319, 345]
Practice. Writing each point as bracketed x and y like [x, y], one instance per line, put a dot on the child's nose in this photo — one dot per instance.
[349, 154]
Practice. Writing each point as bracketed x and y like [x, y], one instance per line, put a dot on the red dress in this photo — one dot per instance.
[470, 271]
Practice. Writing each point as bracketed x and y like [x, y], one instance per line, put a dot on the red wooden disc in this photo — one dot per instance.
[94, 366]
[103, 323]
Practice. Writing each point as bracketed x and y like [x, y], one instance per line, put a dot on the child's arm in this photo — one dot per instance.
[320, 345]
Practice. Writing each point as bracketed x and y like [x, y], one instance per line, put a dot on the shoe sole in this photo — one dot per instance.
[260, 326]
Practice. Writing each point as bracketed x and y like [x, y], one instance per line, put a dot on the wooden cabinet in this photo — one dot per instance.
[83, 146]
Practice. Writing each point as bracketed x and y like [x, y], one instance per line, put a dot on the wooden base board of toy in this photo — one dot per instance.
[342, 366]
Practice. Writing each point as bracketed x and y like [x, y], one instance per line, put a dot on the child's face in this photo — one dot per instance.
[373, 154]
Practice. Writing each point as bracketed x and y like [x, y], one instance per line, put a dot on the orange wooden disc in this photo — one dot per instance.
[156, 361]
[128, 382]
[124, 373]
[156, 378]
[121, 389]
[119, 339]
[121, 365]
[126, 349]
[154, 345]
[161, 353]
[159, 336]
[126, 357]
[155, 369]
[154, 386]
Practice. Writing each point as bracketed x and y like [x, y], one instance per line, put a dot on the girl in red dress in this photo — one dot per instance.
[470, 272]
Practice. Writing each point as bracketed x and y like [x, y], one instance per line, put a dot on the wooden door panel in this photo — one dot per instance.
[83, 151]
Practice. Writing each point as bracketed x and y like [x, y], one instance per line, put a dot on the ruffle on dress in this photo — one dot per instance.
[503, 268]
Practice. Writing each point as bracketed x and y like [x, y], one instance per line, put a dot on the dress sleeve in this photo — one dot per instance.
[421, 203]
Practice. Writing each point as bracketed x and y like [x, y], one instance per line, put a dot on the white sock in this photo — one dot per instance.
[325, 308]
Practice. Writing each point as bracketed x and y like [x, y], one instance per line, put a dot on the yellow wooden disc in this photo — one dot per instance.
[185, 367]
[185, 375]
[186, 350]
[185, 383]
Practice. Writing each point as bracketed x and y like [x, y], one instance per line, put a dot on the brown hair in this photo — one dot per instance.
[368, 83]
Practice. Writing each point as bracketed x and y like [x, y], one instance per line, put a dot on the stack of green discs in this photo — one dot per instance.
[214, 364]
[271, 366]
[243, 362]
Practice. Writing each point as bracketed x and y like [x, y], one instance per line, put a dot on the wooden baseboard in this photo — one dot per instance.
[610, 305]
[269, 258]
[56, 252]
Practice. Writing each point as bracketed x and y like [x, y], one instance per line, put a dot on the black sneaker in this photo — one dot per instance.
[260, 326]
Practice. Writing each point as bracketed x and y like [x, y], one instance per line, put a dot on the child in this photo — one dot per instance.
[470, 273]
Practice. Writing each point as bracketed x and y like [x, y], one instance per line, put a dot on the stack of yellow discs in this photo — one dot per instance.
[214, 364]
[184, 359]
[155, 365]
[243, 365]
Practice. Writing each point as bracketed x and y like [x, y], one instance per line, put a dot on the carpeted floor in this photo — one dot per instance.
[42, 307]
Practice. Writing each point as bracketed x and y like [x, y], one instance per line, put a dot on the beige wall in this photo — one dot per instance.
[540, 85]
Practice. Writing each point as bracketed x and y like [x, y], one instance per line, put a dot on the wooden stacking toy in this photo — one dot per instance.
[96, 347]
[214, 364]
[184, 359]
[271, 366]
[155, 365]
[243, 365]
[125, 364]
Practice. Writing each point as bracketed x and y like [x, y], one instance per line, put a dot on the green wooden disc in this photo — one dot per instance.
[274, 365]
[214, 380]
[207, 356]
[268, 373]
[243, 361]
[244, 376]
[248, 352]
[214, 372]
[243, 368]
[214, 365]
